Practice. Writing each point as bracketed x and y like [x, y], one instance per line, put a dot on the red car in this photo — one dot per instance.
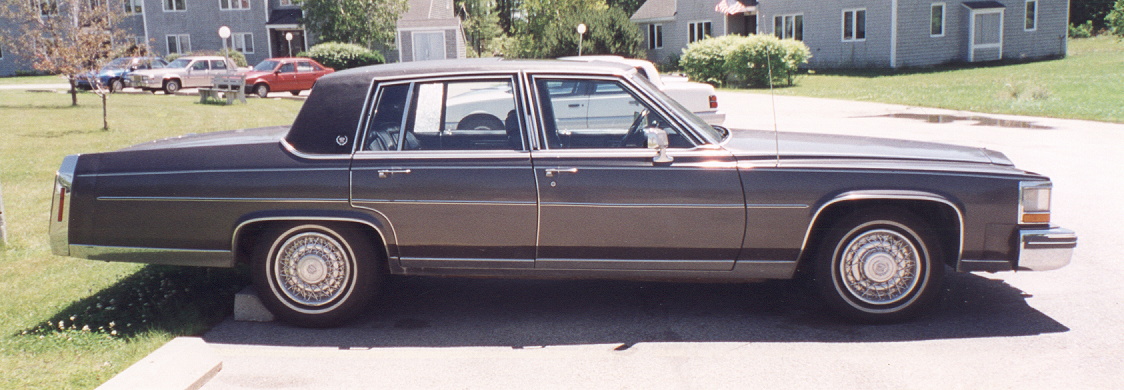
[293, 74]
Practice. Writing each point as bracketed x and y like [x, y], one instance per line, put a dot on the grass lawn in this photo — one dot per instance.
[32, 80]
[1087, 84]
[127, 310]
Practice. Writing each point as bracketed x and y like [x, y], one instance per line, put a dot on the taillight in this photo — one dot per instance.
[713, 101]
[62, 203]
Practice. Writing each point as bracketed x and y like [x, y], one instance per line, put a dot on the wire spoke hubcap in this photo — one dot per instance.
[880, 267]
[312, 269]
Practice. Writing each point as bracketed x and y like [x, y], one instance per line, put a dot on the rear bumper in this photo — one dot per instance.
[60, 206]
[1045, 249]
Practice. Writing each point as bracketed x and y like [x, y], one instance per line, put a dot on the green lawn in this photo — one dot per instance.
[32, 80]
[129, 309]
[1087, 84]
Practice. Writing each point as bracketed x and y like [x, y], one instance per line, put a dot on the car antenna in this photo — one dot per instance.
[773, 104]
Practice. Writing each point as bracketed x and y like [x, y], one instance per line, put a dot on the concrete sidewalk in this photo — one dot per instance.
[464, 349]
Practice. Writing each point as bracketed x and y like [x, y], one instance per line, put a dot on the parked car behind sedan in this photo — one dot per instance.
[114, 74]
[697, 97]
[184, 72]
[292, 74]
[374, 179]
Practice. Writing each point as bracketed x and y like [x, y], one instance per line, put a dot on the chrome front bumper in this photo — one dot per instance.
[1045, 249]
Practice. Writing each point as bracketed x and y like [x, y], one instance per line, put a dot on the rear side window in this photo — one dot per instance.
[445, 115]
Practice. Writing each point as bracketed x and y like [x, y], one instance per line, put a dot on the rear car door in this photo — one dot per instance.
[606, 204]
[456, 198]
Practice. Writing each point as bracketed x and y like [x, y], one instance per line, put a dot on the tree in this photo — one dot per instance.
[550, 30]
[65, 37]
[370, 23]
[1115, 19]
[481, 23]
[1089, 10]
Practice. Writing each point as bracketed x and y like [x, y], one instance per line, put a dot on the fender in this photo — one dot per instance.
[377, 223]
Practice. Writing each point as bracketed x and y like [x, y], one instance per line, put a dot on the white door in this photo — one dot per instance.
[429, 45]
[986, 35]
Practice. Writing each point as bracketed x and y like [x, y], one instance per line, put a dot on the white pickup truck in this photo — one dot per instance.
[697, 97]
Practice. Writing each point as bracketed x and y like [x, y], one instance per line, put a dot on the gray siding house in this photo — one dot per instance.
[871, 33]
[267, 28]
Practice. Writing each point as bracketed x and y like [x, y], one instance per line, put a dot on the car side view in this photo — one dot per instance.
[291, 75]
[582, 170]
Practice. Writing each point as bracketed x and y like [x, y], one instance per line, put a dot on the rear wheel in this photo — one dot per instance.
[295, 93]
[315, 275]
[879, 267]
[261, 89]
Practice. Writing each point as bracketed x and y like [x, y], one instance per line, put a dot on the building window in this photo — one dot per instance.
[1, 52]
[789, 27]
[179, 43]
[655, 36]
[698, 31]
[175, 5]
[287, 3]
[134, 6]
[241, 42]
[234, 4]
[48, 7]
[936, 20]
[1031, 15]
[854, 25]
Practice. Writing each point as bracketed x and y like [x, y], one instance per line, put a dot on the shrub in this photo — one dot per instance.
[1084, 30]
[343, 55]
[741, 60]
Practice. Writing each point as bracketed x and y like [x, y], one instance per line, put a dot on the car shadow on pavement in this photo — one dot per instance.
[440, 312]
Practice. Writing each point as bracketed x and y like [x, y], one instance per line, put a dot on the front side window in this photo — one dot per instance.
[936, 20]
[175, 5]
[445, 115]
[199, 65]
[854, 25]
[655, 36]
[1031, 15]
[597, 114]
[789, 27]
[287, 68]
[698, 31]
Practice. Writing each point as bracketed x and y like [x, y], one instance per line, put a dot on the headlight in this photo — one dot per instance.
[1034, 201]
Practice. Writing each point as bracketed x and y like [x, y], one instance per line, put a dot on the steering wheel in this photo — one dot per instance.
[636, 130]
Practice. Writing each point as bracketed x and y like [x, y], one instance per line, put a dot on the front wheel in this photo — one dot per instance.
[116, 85]
[262, 90]
[879, 267]
[315, 275]
[171, 86]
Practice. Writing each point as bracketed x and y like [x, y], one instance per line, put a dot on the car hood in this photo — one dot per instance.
[256, 73]
[762, 143]
[220, 138]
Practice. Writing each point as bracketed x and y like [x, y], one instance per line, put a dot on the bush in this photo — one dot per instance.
[343, 55]
[741, 60]
[1084, 30]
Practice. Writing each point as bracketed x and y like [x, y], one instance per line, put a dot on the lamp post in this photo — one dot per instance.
[224, 33]
[289, 39]
[581, 34]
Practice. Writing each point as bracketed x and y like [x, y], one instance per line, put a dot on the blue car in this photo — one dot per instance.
[112, 75]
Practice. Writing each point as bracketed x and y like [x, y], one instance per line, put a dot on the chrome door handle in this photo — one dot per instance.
[385, 173]
[550, 172]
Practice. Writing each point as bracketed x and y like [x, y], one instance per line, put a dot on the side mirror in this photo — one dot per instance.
[657, 139]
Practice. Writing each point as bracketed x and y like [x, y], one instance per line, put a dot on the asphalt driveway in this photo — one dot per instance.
[1058, 329]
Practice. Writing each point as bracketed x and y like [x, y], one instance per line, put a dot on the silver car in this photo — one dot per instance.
[184, 72]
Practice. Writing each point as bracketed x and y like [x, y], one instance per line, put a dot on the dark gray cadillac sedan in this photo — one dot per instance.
[547, 169]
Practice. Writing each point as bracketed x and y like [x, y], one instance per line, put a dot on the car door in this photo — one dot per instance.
[286, 77]
[456, 198]
[197, 74]
[606, 204]
[306, 75]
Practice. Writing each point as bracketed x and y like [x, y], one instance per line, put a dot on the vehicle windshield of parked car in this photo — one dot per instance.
[119, 63]
[580, 113]
[180, 63]
[265, 66]
[446, 115]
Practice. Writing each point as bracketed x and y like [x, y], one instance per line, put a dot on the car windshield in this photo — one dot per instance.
[713, 134]
[266, 66]
[180, 63]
